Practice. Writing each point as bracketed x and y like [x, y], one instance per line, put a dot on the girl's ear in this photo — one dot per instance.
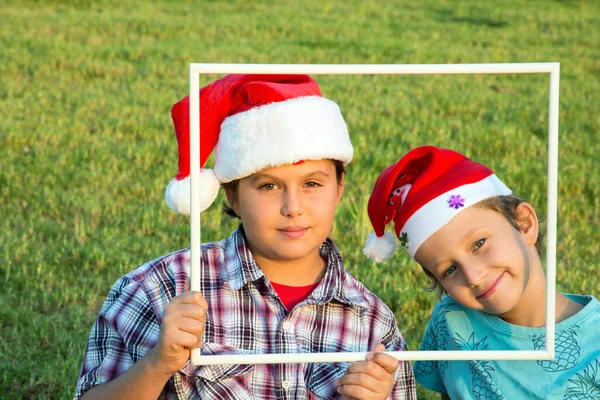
[528, 222]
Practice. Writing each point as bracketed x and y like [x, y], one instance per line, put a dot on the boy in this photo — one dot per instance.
[276, 285]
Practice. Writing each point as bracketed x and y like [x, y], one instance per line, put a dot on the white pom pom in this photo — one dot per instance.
[177, 193]
[381, 248]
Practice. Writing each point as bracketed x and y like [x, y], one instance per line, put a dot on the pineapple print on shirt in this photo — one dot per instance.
[436, 338]
[586, 386]
[484, 387]
[567, 350]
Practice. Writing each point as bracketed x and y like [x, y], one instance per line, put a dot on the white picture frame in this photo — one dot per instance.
[551, 68]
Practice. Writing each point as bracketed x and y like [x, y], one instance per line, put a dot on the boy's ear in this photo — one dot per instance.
[232, 198]
[528, 222]
[341, 187]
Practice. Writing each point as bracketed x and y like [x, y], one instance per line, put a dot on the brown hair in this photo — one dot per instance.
[339, 173]
[504, 205]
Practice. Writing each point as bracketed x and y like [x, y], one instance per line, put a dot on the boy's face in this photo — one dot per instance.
[482, 261]
[288, 211]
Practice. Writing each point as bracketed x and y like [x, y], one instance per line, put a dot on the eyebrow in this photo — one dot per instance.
[258, 177]
[437, 269]
[470, 233]
[319, 172]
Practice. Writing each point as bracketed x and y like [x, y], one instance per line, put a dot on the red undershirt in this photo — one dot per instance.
[292, 295]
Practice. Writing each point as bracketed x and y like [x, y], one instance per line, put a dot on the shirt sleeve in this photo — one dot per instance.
[126, 328]
[404, 386]
[429, 373]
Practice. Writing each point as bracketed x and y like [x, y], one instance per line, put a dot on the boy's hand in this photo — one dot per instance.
[181, 331]
[371, 379]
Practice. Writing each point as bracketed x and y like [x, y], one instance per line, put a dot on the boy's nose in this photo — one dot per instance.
[292, 204]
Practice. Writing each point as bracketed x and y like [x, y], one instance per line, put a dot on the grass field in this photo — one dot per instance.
[87, 145]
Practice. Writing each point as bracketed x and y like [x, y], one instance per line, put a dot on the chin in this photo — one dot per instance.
[290, 253]
[499, 311]
[496, 311]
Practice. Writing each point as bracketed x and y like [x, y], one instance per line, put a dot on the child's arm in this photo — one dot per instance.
[181, 330]
[371, 379]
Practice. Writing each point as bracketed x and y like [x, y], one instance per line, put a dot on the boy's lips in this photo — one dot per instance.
[490, 289]
[293, 232]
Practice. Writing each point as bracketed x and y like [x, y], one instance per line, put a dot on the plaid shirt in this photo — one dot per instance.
[245, 316]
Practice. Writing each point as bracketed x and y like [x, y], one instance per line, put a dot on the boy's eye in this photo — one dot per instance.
[450, 270]
[267, 186]
[478, 244]
[311, 184]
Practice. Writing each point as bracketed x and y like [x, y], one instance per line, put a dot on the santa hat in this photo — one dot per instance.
[253, 122]
[421, 193]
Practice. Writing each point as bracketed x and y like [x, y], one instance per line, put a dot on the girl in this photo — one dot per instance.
[480, 242]
[277, 284]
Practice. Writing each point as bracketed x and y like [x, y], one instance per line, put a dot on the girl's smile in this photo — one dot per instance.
[484, 263]
[491, 289]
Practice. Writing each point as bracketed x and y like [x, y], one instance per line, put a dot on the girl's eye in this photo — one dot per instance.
[450, 270]
[479, 243]
[267, 186]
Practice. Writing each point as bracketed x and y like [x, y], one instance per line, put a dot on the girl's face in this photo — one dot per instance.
[482, 261]
[288, 211]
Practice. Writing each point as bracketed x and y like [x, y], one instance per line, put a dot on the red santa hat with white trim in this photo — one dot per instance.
[421, 193]
[253, 122]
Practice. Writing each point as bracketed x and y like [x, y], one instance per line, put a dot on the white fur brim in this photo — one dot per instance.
[304, 128]
[177, 193]
[438, 212]
[381, 248]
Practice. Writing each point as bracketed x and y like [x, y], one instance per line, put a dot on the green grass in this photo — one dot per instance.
[87, 144]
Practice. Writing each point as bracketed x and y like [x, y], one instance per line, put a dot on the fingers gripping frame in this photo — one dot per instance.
[551, 68]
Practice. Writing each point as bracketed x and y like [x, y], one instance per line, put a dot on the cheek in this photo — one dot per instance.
[253, 209]
[325, 208]
[455, 288]
[506, 256]
[325, 203]
[450, 289]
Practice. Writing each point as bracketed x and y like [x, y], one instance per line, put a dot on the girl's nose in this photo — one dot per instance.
[475, 274]
[292, 203]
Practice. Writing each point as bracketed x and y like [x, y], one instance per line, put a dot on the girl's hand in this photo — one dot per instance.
[371, 379]
[181, 331]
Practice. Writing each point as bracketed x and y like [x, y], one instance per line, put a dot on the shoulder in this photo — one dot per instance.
[445, 306]
[439, 324]
[448, 317]
[589, 313]
[452, 311]
[161, 272]
[163, 278]
[171, 269]
[589, 302]
[375, 312]
[346, 287]
[167, 265]
[146, 285]
[362, 295]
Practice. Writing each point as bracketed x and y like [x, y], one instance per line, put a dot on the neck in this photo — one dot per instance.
[302, 272]
[531, 310]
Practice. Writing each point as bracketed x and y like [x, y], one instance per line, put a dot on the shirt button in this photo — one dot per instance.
[286, 385]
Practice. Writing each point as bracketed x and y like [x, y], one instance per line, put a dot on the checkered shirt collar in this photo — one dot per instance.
[241, 269]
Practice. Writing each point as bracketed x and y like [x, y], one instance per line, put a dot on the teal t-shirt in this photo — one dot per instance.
[573, 374]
